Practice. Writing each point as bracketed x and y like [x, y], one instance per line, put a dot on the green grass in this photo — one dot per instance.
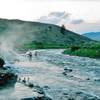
[87, 50]
[32, 46]
[85, 53]
[92, 51]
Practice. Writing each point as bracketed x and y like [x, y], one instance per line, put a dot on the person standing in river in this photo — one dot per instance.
[30, 56]
[36, 53]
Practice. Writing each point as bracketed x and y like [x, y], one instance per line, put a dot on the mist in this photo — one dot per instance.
[12, 36]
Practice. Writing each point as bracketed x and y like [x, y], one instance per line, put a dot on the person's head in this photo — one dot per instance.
[2, 62]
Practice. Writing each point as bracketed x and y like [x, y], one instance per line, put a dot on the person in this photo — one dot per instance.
[30, 56]
[36, 53]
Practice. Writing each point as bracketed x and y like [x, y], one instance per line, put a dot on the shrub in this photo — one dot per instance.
[74, 48]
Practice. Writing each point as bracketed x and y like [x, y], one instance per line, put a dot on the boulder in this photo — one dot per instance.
[2, 62]
[6, 75]
[7, 78]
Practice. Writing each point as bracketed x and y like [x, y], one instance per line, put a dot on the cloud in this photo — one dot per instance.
[55, 17]
[77, 25]
[77, 21]
[60, 18]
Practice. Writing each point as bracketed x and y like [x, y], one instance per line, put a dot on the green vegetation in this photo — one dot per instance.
[32, 35]
[39, 45]
[25, 35]
[92, 50]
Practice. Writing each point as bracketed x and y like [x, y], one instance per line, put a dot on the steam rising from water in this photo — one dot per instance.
[14, 34]
[7, 51]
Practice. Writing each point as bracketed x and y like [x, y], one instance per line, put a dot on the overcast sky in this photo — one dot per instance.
[87, 10]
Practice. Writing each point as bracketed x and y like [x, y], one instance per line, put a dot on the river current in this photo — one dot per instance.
[61, 76]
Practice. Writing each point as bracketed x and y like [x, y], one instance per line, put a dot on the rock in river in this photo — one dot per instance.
[6, 75]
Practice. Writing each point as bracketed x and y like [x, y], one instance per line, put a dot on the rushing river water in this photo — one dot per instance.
[61, 76]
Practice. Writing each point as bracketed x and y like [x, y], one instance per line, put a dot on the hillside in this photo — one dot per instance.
[24, 33]
[93, 35]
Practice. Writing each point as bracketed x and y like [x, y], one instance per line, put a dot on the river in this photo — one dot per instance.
[61, 76]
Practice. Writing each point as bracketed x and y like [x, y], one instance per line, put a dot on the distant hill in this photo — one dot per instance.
[18, 33]
[93, 35]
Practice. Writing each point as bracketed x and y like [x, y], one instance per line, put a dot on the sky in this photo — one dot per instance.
[84, 11]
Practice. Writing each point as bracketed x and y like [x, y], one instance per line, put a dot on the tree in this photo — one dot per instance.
[63, 29]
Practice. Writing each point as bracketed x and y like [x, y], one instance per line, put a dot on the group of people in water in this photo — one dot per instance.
[29, 54]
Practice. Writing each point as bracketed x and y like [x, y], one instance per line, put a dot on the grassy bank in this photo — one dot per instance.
[32, 46]
[92, 50]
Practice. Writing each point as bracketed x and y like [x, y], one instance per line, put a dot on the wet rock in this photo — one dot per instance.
[64, 73]
[30, 85]
[6, 75]
[65, 93]
[2, 62]
[98, 80]
[7, 78]
[87, 78]
[67, 70]
[78, 92]
[46, 87]
[40, 94]
[40, 91]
